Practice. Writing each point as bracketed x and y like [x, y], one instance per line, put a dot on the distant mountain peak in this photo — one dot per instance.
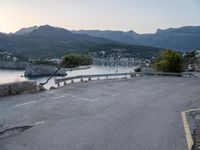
[52, 42]
[43, 28]
[132, 32]
[51, 29]
[48, 27]
[187, 29]
[26, 30]
[183, 38]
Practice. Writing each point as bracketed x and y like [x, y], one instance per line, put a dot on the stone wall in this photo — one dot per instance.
[18, 88]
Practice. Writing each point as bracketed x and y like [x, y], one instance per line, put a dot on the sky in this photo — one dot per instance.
[142, 16]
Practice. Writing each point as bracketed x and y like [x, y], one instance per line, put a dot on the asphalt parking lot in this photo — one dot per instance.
[129, 114]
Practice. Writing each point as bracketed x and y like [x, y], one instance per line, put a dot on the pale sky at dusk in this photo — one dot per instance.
[139, 15]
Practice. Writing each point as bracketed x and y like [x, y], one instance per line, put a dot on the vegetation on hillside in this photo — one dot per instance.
[124, 50]
[169, 61]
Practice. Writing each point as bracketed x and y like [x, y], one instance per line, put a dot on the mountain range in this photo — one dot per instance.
[50, 42]
[185, 38]
[53, 42]
[26, 30]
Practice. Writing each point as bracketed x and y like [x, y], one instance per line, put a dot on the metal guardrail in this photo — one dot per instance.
[98, 76]
[125, 75]
[171, 74]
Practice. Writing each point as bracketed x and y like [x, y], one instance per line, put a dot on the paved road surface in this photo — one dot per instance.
[133, 114]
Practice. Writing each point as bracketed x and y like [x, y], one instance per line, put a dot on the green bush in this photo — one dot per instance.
[74, 60]
[169, 61]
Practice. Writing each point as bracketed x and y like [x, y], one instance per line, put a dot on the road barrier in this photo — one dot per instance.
[97, 76]
[184, 74]
[122, 75]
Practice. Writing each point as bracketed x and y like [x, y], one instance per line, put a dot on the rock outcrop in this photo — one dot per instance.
[18, 88]
[43, 70]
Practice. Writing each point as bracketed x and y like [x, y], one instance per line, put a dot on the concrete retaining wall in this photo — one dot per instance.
[18, 88]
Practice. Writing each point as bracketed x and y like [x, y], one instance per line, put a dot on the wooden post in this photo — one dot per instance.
[72, 81]
[89, 79]
[81, 79]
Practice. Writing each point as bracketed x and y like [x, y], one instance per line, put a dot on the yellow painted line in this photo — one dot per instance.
[187, 131]
[187, 128]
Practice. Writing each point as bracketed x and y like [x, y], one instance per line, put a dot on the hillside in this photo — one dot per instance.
[26, 30]
[50, 42]
[183, 39]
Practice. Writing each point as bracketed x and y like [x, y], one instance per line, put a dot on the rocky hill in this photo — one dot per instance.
[51, 42]
[183, 39]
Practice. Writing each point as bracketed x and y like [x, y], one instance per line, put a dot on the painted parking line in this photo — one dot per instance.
[81, 98]
[54, 98]
[73, 96]
[58, 97]
[188, 134]
[27, 103]
[39, 122]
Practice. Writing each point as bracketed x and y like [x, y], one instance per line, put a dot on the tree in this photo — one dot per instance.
[75, 60]
[169, 61]
[71, 61]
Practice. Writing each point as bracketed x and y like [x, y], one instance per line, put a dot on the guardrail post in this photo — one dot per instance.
[58, 84]
[89, 79]
[65, 83]
[72, 81]
[81, 79]
[106, 77]
[131, 75]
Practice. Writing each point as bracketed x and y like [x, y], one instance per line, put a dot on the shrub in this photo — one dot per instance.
[74, 60]
[169, 61]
